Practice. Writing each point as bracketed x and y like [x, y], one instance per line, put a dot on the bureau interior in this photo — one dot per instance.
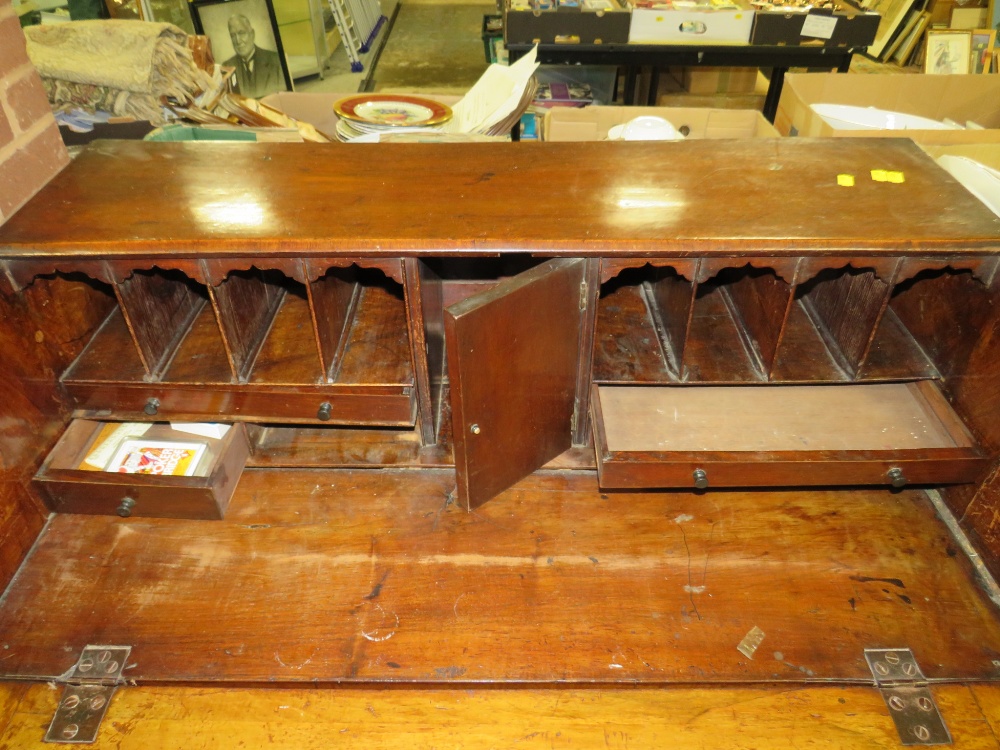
[737, 376]
[748, 324]
[333, 343]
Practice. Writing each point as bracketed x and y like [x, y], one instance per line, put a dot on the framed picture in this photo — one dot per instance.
[244, 36]
[983, 42]
[948, 52]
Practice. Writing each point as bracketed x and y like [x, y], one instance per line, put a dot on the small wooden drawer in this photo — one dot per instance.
[71, 485]
[759, 436]
[384, 406]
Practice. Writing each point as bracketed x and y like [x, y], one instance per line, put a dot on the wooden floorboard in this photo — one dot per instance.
[176, 718]
[375, 576]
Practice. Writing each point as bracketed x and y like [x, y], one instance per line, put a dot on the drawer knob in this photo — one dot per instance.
[152, 406]
[324, 412]
[700, 479]
[896, 478]
[125, 509]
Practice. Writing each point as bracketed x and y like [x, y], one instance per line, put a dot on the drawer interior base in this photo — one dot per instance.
[781, 435]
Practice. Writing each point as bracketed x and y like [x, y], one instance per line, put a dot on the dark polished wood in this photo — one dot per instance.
[514, 382]
[43, 330]
[781, 436]
[71, 489]
[355, 297]
[734, 197]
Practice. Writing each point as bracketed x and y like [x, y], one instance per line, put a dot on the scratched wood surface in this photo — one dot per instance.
[366, 576]
[200, 718]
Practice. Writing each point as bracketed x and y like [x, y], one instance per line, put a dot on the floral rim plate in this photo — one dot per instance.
[392, 110]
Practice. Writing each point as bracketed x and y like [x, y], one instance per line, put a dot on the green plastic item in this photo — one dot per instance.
[193, 133]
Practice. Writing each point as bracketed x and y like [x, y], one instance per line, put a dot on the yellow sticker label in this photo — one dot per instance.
[845, 180]
[886, 175]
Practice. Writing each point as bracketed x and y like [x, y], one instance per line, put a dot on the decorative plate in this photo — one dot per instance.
[392, 110]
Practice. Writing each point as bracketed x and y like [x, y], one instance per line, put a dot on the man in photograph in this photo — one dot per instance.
[258, 70]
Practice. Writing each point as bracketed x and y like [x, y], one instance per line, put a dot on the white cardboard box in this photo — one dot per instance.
[593, 123]
[961, 98]
[690, 23]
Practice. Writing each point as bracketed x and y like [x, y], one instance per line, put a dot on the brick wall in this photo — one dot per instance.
[31, 151]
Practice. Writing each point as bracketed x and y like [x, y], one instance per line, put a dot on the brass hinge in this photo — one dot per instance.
[907, 695]
[583, 295]
[90, 686]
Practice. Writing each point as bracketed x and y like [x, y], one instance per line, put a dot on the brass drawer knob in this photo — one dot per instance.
[323, 414]
[896, 477]
[700, 479]
[152, 406]
[125, 508]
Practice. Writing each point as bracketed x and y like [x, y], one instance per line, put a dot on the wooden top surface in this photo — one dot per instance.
[128, 198]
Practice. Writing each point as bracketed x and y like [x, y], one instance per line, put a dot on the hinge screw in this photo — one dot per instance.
[474, 429]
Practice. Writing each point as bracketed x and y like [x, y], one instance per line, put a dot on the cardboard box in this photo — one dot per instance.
[593, 123]
[715, 80]
[691, 23]
[753, 101]
[962, 98]
[317, 109]
[846, 26]
[567, 25]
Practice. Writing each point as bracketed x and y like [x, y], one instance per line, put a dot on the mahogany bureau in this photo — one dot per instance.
[653, 372]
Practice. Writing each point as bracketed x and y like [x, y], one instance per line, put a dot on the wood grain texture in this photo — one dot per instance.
[670, 298]
[425, 321]
[158, 308]
[846, 306]
[350, 576]
[627, 346]
[42, 330]
[514, 382]
[245, 304]
[332, 299]
[199, 718]
[759, 300]
[715, 350]
[244, 199]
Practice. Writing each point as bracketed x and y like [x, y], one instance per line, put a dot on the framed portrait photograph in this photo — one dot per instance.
[949, 52]
[983, 43]
[244, 36]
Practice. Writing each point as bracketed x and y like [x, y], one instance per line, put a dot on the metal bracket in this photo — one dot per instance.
[90, 686]
[905, 691]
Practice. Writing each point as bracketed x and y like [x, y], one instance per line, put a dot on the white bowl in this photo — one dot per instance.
[978, 179]
[846, 117]
[644, 128]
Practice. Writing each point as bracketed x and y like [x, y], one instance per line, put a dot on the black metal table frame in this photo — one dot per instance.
[635, 56]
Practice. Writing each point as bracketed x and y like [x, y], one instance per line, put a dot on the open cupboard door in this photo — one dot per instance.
[513, 358]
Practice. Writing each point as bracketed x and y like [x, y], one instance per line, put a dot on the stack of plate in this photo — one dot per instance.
[365, 114]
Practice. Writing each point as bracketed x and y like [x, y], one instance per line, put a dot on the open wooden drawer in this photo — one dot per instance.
[79, 476]
[789, 435]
